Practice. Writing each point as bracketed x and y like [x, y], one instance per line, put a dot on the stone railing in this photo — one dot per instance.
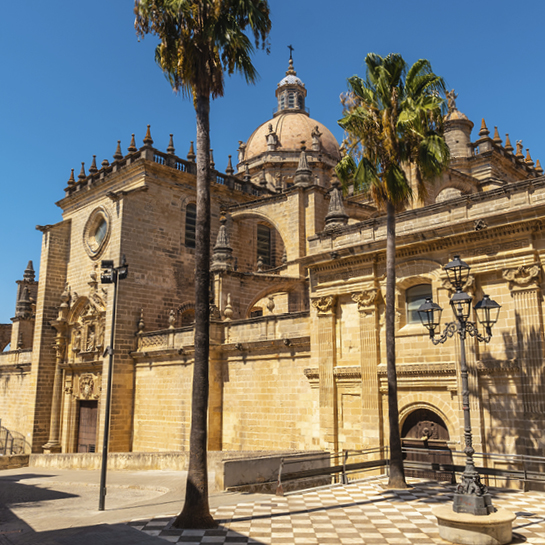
[284, 327]
[440, 219]
[168, 160]
[16, 358]
[268, 328]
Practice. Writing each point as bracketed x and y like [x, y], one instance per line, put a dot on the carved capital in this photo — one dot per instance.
[525, 276]
[324, 305]
[365, 299]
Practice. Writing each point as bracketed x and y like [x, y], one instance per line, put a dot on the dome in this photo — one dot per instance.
[291, 129]
[291, 80]
[456, 115]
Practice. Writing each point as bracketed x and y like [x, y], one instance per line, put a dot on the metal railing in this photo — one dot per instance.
[352, 465]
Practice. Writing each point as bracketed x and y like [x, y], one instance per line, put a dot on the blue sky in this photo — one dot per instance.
[76, 80]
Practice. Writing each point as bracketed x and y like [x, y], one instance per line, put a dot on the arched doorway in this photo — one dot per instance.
[425, 439]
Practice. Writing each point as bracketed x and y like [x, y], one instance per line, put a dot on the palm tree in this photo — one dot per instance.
[396, 116]
[200, 41]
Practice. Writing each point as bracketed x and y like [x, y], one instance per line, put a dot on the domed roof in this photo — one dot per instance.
[291, 79]
[291, 129]
[456, 115]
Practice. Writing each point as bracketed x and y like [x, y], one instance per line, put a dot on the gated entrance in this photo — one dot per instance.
[424, 433]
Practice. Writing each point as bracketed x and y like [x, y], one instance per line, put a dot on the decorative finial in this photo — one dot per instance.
[71, 180]
[170, 148]
[228, 311]
[29, 274]
[229, 170]
[519, 153]
[191, 153]
[484, 129]
[291, 71]
[132, 145]
[82, 175]
[528, 159]
[303, 174]
[336, 214]
[538, 168]
[147, 139]
[118, 154]
[497, 138]
[508, 146]
[141, 324]
[93, 168]
[222, 255]
[212, 164]
[172, 319]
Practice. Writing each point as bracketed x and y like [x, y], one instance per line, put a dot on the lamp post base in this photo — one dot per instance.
[472, 504]
[494, 529]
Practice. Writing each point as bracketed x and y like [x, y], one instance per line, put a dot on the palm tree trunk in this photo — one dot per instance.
[397, 474]
[196, 511]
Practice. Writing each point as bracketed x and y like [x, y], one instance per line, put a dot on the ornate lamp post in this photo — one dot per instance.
[109, 275]
[471, 495]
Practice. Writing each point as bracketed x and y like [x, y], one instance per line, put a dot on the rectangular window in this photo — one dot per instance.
[264, 244]
[190, 225]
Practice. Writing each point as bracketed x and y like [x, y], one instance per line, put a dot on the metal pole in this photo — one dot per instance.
[471, 495]
[110, 351]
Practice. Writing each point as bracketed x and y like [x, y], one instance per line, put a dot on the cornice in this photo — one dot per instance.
[447, 368]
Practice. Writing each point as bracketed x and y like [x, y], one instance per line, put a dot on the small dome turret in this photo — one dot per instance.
[291, 92]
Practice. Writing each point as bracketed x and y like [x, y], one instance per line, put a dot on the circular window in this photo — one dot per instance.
[96, 232]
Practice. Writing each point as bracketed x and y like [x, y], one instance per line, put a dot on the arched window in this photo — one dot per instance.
[291, 100]
[414, 297]
[264, 245]
[190, 225]
[188, 317]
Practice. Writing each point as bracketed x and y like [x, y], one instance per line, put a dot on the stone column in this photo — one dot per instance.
[326, 307]
[215, 399]
[61, 325]
[369, 360]
[525, 290]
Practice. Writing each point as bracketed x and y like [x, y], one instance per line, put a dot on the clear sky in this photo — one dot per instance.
[76, 80]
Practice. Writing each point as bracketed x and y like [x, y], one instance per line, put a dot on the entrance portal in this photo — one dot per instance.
[424, 438]
[87, 427]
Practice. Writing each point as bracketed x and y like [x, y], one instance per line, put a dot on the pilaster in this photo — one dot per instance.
[326, 308]
[524, 283]
[369, 360]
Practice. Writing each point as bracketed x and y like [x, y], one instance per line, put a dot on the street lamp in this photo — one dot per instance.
[471, 495]
[109, 275]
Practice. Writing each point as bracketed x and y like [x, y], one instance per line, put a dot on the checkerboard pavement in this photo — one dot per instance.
[364, 512]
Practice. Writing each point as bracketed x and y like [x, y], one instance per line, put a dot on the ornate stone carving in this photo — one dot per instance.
[365, 299]
[324, 305]
[86, 385]
[451, 98]
[480, 224]
[523, 276]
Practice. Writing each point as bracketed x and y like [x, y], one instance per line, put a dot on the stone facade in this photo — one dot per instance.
[297, 349]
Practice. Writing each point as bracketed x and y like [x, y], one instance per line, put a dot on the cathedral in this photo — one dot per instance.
[297, 343]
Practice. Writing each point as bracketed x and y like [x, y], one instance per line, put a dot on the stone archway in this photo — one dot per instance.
[425, 437]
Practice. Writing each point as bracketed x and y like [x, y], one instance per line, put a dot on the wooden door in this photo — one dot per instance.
[87, 428]
[424, 436]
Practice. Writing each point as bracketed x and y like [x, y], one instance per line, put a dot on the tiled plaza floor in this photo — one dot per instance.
[363, 512]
